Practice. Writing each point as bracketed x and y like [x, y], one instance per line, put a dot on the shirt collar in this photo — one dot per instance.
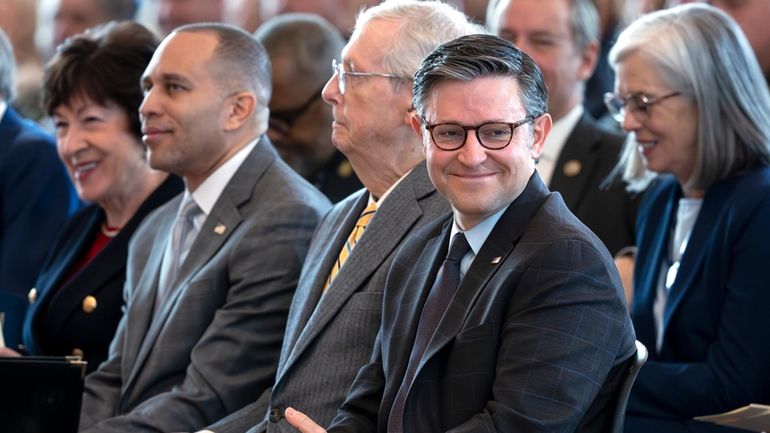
[3, 107]
[477, 235]
[207, 194]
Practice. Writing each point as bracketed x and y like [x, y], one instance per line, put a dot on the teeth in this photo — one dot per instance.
[86, 167]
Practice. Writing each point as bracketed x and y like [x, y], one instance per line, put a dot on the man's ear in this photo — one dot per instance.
[239, 109]
[416, 121]
[542, 127]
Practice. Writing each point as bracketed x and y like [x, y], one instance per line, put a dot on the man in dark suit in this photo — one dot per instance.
[36, 198]
[523, 327]
[563, 38]
[332, 326]
[210, 274]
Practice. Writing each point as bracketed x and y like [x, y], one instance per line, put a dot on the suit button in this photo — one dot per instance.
[275, 414]
[32, 295]
[77, 352]
[89, 304]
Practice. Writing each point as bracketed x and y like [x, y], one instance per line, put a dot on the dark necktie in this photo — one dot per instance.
[444, 288]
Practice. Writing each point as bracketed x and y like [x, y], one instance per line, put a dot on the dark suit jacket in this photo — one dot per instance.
[56, 323]
[36, 198]
[328, 339]
[715, 354]
[527, 344]
[212, 346]
[611, 214]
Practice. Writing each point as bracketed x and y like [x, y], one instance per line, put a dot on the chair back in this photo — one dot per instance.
[624, 390]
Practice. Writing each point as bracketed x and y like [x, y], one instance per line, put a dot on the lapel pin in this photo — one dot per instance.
[572, 168]
[496, 260]
[220, 229]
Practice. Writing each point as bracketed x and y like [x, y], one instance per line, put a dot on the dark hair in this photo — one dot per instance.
[469, 57]
[240, 62]
[103, 64]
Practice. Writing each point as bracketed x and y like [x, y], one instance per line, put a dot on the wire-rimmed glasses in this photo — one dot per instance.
[638, 104]
[342, 74]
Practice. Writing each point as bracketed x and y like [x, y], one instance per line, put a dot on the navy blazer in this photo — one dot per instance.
[533, 339]
[36, 198]
[56, 322]
[715, 354]
[589, 155]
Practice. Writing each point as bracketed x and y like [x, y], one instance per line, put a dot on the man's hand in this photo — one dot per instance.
[302, 422]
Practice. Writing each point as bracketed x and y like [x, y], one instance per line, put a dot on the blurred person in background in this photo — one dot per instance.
[691, 94]
[578, 155]
[36, 198]
[300, 46]
[92, 92]
[18, 19]
[753, 17]
[174, 13]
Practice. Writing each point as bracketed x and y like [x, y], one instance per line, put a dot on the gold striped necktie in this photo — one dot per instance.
[355, 235]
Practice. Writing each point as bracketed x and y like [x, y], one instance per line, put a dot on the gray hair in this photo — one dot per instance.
[7, 69]
[240, 61]
[475, 56]
[702, 53]
[424, 25]
[584, 20]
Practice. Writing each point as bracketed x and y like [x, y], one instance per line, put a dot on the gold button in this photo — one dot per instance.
[572, 168]
[32, 295]
[77, 352]
[89, 304]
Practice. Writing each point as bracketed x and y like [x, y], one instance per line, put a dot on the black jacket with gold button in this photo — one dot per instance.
[81, 316]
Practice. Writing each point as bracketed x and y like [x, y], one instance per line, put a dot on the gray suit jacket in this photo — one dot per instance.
[214, 344]
[326, 342]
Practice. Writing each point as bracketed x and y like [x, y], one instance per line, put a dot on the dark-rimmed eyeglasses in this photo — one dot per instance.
[491, 135]
[342, 74]
[637, 104]
[283, 120]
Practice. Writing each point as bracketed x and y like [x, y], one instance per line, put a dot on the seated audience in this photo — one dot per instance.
[91, 91]
[211, 273]
[300, 46]
[523, 327]
[335, 313]
[36, 198]
[174, 13]
[691, 94]
[562, 36]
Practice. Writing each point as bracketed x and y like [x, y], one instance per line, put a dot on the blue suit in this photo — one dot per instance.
[715, 354]
[36, 198]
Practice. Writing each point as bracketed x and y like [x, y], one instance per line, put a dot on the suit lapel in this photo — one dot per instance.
[495, 250]
[393, 220]
[307, 296]
[208, 241]
[702, 235]
[579, 151]
[648, 282]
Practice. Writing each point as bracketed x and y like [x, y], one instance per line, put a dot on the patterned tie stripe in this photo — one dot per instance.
[355, 235]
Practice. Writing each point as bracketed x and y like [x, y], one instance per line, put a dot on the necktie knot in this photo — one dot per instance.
[458, 247]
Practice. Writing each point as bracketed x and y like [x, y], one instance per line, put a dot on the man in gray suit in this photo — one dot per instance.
[523, 327]
[332, 329]
[211, 274]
